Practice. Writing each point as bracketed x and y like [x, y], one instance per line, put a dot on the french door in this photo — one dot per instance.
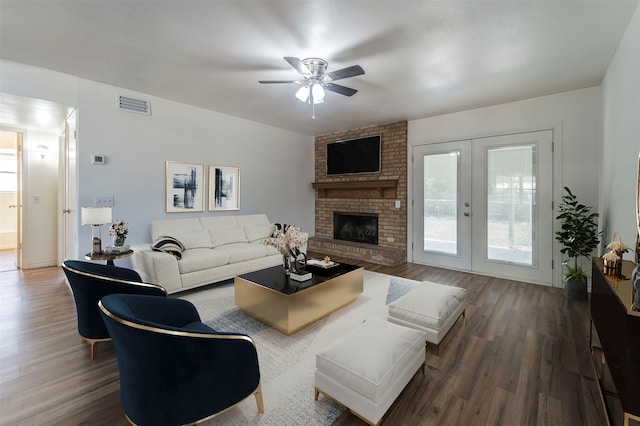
[485, 205]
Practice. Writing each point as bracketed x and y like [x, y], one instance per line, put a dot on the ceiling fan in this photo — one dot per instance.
[316, 81]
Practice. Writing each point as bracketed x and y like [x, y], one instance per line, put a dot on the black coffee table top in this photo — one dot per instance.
[276, 279]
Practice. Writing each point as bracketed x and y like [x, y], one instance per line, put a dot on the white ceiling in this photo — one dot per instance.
[421, 58]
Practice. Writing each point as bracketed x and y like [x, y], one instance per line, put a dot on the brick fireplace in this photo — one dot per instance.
[367, 195]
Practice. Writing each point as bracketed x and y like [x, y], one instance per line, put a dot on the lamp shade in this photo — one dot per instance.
[318, 93]
[95, 215]
[303, 94]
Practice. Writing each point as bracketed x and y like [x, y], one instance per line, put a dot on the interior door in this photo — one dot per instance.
[442, 205]
[68, 194]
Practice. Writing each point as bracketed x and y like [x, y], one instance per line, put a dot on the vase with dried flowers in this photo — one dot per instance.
[119, 230]
[611, 263]
[613, 258]
[288, 242]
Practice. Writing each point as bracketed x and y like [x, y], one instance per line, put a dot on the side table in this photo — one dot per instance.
[109, 257]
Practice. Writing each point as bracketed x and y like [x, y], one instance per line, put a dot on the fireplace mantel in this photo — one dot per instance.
[357, 189]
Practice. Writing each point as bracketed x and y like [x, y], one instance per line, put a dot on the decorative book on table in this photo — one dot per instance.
[301, 277]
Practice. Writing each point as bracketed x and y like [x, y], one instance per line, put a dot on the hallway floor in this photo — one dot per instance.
[7, 260]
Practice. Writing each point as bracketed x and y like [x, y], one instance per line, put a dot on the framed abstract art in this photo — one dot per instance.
[184, 185]
[224, 188]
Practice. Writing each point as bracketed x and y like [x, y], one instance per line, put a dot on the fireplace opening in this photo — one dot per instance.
[356, 227]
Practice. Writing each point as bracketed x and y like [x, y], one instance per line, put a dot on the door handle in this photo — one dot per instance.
[467, 214]
[12, 206]
[66, 211]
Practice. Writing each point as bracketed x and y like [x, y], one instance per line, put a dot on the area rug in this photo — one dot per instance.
[287, 363]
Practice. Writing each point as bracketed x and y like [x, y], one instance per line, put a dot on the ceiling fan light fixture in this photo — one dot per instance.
[303, 93]
[318, 93]
[316, 81]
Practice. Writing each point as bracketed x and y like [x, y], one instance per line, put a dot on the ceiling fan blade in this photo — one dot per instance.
[278, 81]
[345, 72]
[343, 90]
[297, 64]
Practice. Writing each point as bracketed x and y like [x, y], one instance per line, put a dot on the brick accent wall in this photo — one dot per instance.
[392, 222]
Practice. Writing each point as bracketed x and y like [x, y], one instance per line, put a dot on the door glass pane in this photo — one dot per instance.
[441, 202]
[511, 200]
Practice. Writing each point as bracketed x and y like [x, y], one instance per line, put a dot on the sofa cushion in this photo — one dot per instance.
[258, 232]
[252, 219]
[220, 237]
[241, 252]
[174, 227]
[194, 239]
[210, 223]
[201, 259]
[169, 245]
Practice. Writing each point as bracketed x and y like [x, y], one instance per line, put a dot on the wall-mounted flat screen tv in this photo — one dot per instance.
[354, 156]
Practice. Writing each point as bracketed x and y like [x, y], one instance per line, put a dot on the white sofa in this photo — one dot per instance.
[216, 248]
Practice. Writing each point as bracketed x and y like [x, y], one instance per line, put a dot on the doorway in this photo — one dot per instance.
[485, 205]
[10, 200]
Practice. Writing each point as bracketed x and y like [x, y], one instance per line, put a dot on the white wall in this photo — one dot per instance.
[621, 137]
[276, 166]
[575, 118]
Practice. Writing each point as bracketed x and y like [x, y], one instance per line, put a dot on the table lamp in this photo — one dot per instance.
[95, 216]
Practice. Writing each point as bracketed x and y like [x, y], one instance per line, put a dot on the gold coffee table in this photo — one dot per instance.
[288, 306]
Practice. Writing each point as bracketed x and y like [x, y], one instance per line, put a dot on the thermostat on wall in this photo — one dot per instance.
[97, 159]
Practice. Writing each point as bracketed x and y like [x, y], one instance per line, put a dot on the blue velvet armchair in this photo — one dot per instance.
[174, 369]
[89, 283]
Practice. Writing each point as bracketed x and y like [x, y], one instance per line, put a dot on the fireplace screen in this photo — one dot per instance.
[356, 227]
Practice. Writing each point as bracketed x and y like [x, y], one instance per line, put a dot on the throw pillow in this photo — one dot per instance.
[281, 226]
[169, 245]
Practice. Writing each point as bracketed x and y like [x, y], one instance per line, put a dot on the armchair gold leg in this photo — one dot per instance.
[259, 401]
[94, 345]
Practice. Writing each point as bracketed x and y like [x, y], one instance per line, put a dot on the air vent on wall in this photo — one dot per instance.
[134, 105]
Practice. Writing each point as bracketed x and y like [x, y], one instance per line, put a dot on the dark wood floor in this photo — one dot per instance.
[521, 359]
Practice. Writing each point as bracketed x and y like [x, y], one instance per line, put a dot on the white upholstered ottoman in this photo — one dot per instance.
[367, 369]
[430, 307]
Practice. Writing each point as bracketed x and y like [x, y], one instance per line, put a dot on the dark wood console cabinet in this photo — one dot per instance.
[618, 327]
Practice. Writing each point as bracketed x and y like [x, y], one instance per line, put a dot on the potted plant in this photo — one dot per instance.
[579, 236]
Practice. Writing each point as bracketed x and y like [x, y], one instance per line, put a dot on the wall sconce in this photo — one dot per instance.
[95, 216]
[43, 150]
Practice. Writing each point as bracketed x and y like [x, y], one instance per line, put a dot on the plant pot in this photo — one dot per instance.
[575, 289]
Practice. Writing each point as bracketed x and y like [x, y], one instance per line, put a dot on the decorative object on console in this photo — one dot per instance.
[119, 230]
[579, 236]
[224, 188]
[613, 259]
[96, 217]
[184, 185]
[288, 243]
[612, 263]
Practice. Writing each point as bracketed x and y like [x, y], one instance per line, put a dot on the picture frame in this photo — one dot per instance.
[184, 187]
[224, 188]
